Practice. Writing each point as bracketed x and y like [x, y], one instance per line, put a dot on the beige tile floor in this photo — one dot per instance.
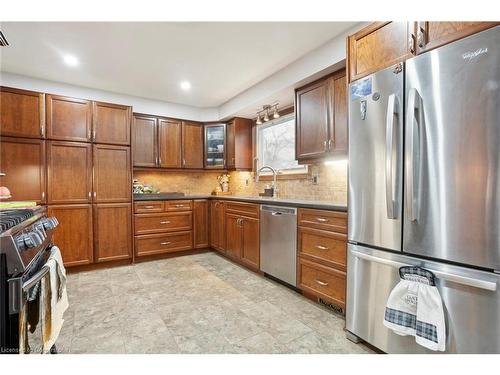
[194, 304]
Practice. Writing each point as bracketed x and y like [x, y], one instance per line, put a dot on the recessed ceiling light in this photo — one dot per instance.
[70, 60]
[185, 85]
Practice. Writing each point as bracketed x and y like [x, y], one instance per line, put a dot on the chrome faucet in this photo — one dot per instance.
[275, 185]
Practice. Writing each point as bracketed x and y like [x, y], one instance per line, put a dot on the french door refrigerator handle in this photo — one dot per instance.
[411, 121]
[389, 140]
[459, 279]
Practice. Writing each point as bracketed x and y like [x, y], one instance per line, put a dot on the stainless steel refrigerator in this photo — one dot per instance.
[424, 189]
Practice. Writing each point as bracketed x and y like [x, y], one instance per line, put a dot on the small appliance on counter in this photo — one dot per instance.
[140, 188]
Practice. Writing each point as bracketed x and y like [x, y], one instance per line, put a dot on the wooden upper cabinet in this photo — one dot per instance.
[69, 172]
[250, 245]
[144, 141]
[22, 113]
[68, 119]
[230, 145]
[23, 162]
[200, 223]
[73, 235]
[321, 118]
[112, 231]
[111, 123]
[169, 143]
[312, 121]
[378, 46]
[112, 181]
[338, 126]
[192, 145]
[431, 35]
[239, 144]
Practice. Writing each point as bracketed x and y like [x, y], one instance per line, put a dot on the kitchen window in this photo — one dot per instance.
[276, 147]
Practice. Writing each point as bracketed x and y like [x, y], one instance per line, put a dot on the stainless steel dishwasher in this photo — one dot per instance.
[278, 242]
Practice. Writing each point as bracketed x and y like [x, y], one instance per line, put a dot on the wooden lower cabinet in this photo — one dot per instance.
[200, 223]
[233, 236]
[73, 235]
[162, 227]
[250, 248]
[217, 226]
[163, 243]
[325, 282]
[322, 254]
[112, 231]
[163, 222]
[243, 238]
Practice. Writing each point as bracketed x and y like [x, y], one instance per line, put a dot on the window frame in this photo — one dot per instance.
[290, 174]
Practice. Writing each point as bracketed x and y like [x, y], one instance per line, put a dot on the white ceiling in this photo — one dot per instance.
[151, 59]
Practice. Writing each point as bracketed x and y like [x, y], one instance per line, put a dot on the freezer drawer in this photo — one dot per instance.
[471, 301]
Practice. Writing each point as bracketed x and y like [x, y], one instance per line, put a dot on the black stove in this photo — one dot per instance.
[11, 218]
[25, 242]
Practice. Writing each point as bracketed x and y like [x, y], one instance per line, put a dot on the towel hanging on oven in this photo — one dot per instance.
[415, 308]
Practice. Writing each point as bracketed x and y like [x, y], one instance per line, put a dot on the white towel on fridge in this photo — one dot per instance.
[431, 329]
[415, 308]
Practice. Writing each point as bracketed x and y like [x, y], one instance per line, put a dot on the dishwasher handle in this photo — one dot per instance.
[278, 211]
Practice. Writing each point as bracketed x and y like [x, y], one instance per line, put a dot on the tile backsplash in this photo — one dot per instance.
[331, 185]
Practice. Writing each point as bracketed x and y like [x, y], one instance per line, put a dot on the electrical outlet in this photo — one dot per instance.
[247, 182]
[314, 180]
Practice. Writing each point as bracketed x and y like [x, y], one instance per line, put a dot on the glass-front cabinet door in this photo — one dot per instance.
[215, 146]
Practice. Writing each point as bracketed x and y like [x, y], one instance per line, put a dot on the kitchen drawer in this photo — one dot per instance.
[245, 209]
[163, 243]
[148, 207]
[163, 222]
[325, 220]
[322, 281]
[178, 205]
[323, 246]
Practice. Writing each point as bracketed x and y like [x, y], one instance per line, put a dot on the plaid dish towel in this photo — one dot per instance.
[415, 308]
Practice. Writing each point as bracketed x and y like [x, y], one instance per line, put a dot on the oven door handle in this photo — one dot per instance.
[36, 278]
[17, 289]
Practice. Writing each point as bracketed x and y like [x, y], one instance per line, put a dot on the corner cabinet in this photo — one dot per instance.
[321, 118]
[215, 146]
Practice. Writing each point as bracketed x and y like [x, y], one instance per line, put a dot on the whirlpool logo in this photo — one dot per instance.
[469, 56]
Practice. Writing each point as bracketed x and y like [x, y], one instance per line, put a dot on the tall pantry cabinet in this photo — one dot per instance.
[76, 159]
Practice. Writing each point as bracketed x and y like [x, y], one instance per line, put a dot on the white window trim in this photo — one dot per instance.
[304, 169]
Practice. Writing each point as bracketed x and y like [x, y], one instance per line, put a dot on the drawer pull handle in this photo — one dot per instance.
[165, 243]
[165, 222]
[179, 205]
[149, 207]
[321, 220]
[322, 283]
[321, 247]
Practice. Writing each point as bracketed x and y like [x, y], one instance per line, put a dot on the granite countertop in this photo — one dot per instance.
[326, 205]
